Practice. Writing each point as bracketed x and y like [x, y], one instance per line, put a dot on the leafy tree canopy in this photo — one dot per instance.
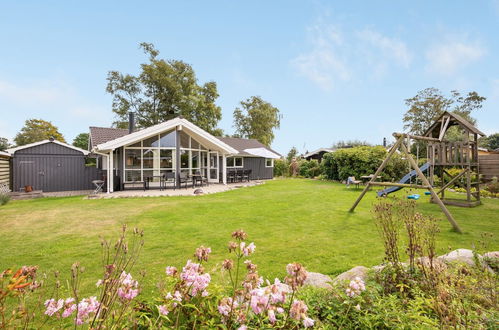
[163, 90]
[81, 141]
[428, 104]
[490, 142]
[35, 130]
[293, 152]
[257, 119]
[4, 143]
[350, 144]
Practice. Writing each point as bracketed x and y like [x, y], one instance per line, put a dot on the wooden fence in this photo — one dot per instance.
[489, 166]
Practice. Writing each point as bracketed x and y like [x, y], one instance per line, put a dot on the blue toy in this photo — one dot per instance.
[413, 196]
[427, 193]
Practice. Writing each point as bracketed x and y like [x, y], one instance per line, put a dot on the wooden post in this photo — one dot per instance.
[430, 188]
[378, 171]
[452, 181]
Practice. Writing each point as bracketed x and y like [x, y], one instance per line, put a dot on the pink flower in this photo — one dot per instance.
[86, 307]
[259, 300]
[355, 287]
[53, 306]
[242, 327]
[69, 307]
[225, 305]
[298, 310]
[163, 310]
[247, 250]
[129, 287]
[171, 271]
[194, 278]
[202, 253]
[271, 314]
[308, 322]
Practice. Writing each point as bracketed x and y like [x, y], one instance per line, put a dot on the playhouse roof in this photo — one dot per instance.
[455, 119]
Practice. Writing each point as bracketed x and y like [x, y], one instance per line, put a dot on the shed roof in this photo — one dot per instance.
[242, 144]
[455, 120]
[309, 154]
[99, 135]
[4, 154]
[13, 150]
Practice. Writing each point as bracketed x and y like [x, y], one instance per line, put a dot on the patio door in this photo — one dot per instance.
[213, 166]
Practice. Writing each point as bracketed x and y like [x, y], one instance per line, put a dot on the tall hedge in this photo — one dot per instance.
[360, 161]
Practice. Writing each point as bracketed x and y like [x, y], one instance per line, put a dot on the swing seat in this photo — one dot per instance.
[413, 196]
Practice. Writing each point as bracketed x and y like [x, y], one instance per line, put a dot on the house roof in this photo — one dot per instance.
[195, 131]
[318, 151]
[244, 146]
[13, 150]
[99, 135]
[455, 120]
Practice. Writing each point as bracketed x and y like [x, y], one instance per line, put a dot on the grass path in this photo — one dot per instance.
[289, 220]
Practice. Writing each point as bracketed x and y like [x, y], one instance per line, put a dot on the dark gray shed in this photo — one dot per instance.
[51, 165]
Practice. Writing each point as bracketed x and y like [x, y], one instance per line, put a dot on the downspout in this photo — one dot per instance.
[107, 162]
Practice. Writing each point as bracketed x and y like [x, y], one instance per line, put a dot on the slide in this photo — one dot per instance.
[406, 179]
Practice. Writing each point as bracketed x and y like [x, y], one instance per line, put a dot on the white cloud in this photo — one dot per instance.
[450, 56]
[339, 56]
[389, 47]
[323, 65]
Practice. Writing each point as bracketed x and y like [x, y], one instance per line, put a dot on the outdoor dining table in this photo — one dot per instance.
[151, 178]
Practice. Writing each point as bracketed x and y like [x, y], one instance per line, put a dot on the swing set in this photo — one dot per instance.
[442, 155]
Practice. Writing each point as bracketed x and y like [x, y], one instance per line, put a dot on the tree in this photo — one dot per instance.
[292, 154]
[257, 119]
[81, 141]
[163, 90]
[4, 143]
[35, 130]
[428, 104]
[490, 142]
[349, 144]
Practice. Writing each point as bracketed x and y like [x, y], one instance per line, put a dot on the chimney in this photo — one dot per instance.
[131, 122]
[384, 142]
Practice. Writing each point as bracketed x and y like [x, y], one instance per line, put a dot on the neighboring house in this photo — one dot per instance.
[4, 170]
[51, 165]
[175, 146]
[318, 154]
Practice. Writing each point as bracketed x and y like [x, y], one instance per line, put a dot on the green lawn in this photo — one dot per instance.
[289, 220]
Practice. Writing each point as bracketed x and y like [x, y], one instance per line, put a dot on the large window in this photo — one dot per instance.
[155, 156]
[269, 162]
[234, 161]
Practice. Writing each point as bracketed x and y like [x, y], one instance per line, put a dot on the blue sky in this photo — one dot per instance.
[336, 70]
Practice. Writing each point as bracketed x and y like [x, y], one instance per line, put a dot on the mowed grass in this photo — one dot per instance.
[289, 220]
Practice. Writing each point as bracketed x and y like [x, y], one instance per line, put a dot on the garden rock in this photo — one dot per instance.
[358, 271]
[492, 259]
[318, 280]
[491, 255]
[460, 256]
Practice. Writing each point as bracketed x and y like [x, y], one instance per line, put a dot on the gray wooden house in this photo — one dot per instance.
[51, 165]
[175, 146]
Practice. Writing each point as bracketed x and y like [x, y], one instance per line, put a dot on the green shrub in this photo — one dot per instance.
[281, 167]
[309, 168]
[4, 199]
[359, 161]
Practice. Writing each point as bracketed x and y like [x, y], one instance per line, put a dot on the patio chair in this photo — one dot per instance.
[169, 177]
[98, 185]
[201, 178]
[239, 175]
[246, 175]
[231, 176]
[183, 178]
[352, 180]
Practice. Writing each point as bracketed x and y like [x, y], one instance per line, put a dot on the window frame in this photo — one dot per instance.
[271, 162]
[234, 162]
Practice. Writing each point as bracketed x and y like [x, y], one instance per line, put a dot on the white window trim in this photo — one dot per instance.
[234, 166]
[271, 160]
